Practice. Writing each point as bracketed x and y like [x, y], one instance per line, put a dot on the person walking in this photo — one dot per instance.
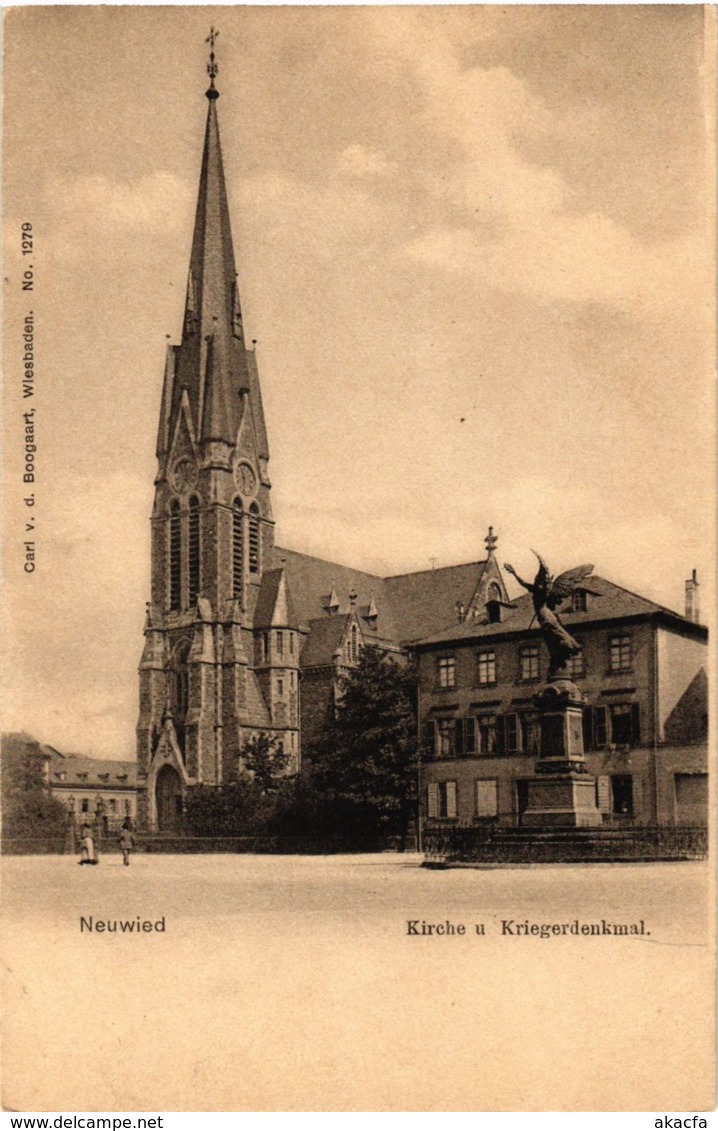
[127, 841]
[87, 846]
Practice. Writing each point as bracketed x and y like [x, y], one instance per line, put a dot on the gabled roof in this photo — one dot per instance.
[611, 603]
[97, 773]
[426, 601]
[310, 580]
[325, 636]
[407, 605]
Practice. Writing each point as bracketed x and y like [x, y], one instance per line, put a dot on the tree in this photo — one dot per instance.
[264, 760]
[244, 803]
[365, 759]
[28, 807]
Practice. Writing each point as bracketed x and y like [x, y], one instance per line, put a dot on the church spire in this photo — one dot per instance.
[213, 363]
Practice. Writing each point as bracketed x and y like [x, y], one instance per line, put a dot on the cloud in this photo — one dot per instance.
[319, 220]
[358, 161]
[157, 203]
[511, 223]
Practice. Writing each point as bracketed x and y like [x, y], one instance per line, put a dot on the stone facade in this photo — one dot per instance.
[643, 710]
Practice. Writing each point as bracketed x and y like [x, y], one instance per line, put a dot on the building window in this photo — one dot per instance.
[625, 724]
[441, 799]
[486, 668]
[194, 551]
[112, 806]
[614, 794]
[354, 644]
[487, 734]
[254, 538]
[280, 688]
[446, 671]
[579, 603]
[291, 643]
[175, 557]
[529, 667]
[619, 651]
[530, 732]
[577, 666]
[84, 805]
[280, 643]
[513, 736]
[237, 549]
[619, 723]
[446, 733]
[487, 797]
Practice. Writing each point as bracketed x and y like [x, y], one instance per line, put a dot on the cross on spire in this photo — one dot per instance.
[212, 66]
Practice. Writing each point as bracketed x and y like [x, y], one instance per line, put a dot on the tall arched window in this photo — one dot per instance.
[494, 593]
[237, 549]
[175, 539]
[354, 644]
[254, 538]
[194, 551]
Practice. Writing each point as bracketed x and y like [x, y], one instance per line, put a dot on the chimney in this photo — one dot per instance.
[692, 605]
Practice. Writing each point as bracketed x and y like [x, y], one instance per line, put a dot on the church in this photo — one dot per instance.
[243, 637]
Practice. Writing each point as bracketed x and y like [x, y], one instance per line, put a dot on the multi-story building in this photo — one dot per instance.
[642, 671]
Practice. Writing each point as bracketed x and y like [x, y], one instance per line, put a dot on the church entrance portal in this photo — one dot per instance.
[168, 795]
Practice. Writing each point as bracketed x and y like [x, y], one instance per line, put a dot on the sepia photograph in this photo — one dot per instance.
[359, 557]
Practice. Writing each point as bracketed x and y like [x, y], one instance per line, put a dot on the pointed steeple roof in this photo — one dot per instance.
[213, 362]
[212, 282]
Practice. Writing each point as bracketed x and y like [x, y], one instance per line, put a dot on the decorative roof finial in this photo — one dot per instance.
[212, 67]
[490, 541]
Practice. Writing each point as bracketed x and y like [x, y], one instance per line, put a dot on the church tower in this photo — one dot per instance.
[222, 644]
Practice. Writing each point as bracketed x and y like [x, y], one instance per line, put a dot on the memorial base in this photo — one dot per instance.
[565, 800]
[562, 793]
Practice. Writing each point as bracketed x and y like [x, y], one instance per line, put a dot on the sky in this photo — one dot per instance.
[474, 245]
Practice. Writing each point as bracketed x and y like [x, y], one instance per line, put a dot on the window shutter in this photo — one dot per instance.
[470, 735]
[512, 733]
[500, 734]
[603, 793]
[459, 736]
[599, 726]
[451, 799]
[429, 739]
[487, 804]
[636, 723]
[588, 728]
[432, 799]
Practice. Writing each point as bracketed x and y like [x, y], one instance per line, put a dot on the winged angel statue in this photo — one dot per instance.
[548, 592]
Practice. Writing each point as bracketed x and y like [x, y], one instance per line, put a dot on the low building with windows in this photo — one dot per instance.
[88, 788]
[642, 670]
[94, 788]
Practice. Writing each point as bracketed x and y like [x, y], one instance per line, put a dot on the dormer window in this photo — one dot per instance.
[104, 777]
[580, 601]
[82, 777]
[493, 611]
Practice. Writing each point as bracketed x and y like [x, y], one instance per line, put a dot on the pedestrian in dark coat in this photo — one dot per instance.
[127, 842]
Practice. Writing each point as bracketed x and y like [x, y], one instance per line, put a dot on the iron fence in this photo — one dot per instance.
[504, 843]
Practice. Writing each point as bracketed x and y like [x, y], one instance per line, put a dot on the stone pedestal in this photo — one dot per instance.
[562, 793]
